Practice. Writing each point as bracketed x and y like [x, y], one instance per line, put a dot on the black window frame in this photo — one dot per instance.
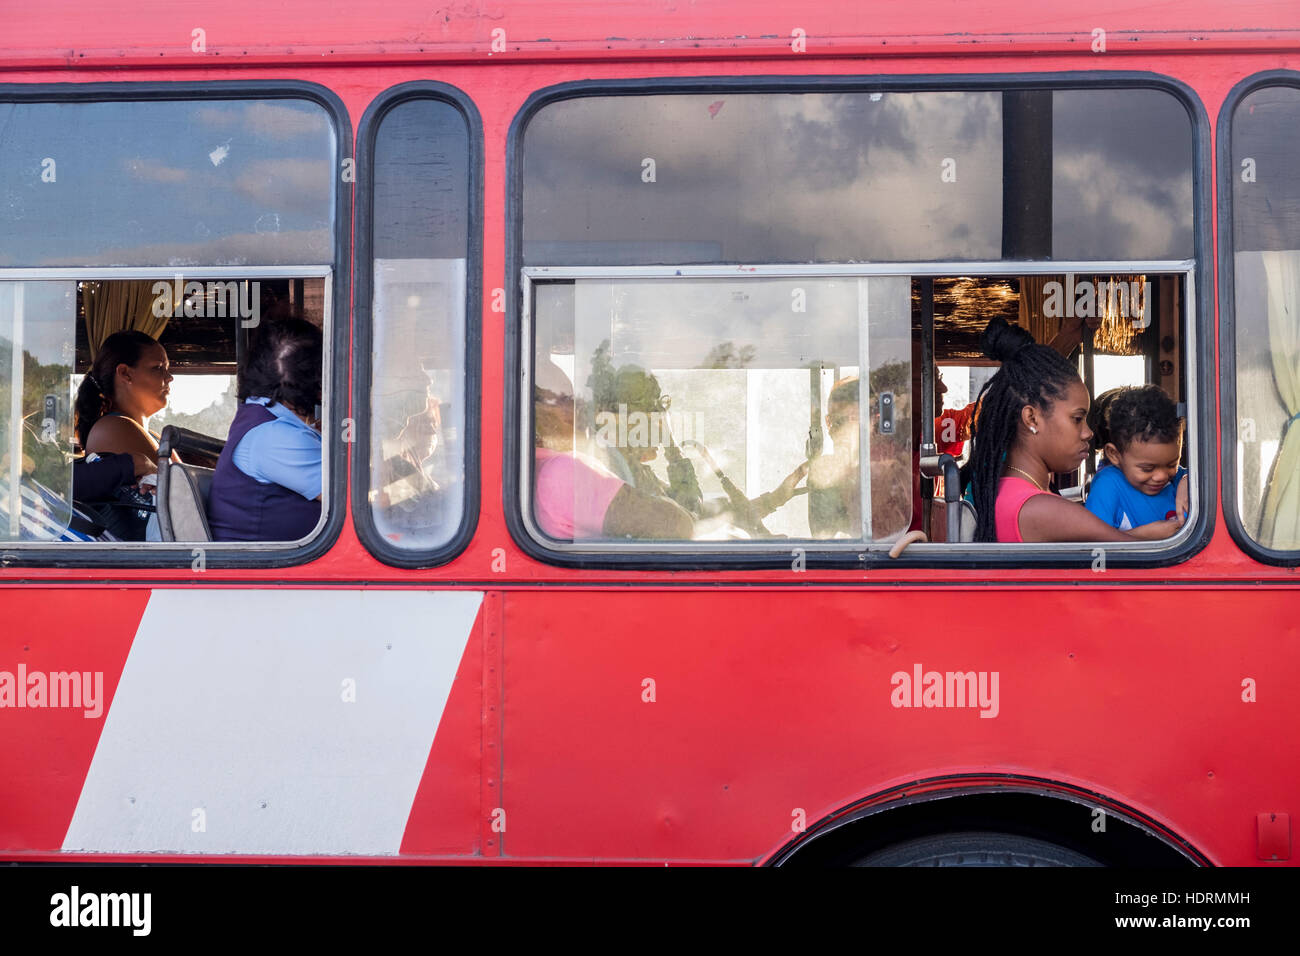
[1023, 556]
[1228, 315]
[221, 555]
[362, 516]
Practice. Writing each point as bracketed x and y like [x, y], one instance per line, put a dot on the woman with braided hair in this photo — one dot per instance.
[1031, 424]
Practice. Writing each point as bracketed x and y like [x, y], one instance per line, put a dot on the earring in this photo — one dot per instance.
[1033, 429]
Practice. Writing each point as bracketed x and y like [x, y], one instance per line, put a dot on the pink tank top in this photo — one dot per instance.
[572, 495]
[1013, 492]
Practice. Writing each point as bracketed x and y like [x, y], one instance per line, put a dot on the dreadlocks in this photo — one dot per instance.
[1031, 374]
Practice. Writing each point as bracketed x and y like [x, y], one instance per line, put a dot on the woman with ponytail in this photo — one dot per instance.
[1031, 424]
[128, 381]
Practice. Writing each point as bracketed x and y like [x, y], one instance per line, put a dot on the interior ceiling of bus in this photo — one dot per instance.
[205, 342]
[963, 306]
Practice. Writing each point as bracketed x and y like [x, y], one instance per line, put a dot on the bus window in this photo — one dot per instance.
[853, 176]
[1121, 174]
[658, 232]
[1119, 330]
[1265, 143]
[736, 399]
[36, 331]
[419, 236]
[168, 183]
[186, 223]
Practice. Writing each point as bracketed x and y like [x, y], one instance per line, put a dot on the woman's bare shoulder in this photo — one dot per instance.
[114, 434]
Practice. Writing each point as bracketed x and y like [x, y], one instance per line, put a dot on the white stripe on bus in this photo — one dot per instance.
[231, 731]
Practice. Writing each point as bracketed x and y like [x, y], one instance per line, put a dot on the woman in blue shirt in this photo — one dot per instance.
[267, 484]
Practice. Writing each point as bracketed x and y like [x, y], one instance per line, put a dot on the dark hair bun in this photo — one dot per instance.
[1001, 340]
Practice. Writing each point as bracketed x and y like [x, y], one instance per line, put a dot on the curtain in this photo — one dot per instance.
[1118, 311]
[115, 306]
[1116, 335]
[1280, 521]
[1032, 297]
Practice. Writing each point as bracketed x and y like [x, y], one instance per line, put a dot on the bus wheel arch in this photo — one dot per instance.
[987, 821]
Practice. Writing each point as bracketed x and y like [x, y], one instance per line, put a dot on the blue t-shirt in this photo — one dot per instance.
[285, 452]
[1120, 505]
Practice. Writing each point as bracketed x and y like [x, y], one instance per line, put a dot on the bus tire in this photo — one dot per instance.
[975, 849]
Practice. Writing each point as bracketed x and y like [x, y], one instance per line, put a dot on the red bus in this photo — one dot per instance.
[570, 262]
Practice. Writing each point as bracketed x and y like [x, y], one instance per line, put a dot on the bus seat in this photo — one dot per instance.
[946, 466]
[183, 492]
[964, 531]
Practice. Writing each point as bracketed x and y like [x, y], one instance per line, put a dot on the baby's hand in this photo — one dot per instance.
[1182, 499]
[1157, 530]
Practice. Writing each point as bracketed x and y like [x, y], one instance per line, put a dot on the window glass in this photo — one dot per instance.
[690, 409]
[1266, 233]
[188, 332]
[421, 214]
[620, 190]
[738, 177]
[1121, 175]
[164, 183]
[37, 320]
[180, 217]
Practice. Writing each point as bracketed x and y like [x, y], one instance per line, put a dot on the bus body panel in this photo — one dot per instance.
[705, 724]
[311, 733]
[67, 32]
